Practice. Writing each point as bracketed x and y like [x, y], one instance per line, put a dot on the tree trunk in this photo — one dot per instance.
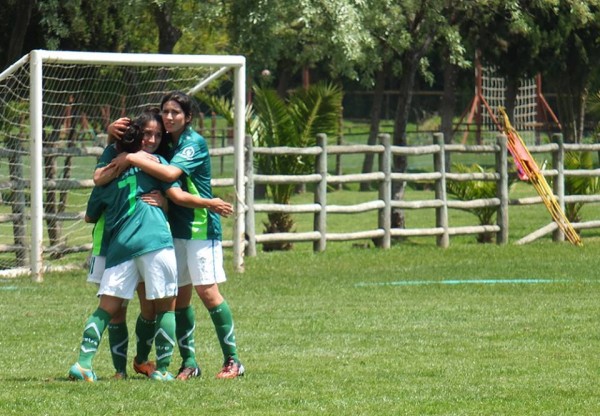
[582, 100]
[20, 24]
[409, 71]
[510, 99]
[168, 34]
[367, 166]
[448, 105]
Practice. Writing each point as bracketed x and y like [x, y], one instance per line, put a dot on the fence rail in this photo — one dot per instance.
[384, 204]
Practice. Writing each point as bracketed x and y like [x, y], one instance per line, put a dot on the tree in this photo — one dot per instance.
[555, 38]
[20, 15]
[473, 190]
[420, 28]
[289, 37]
[294, 122]
[571, 55]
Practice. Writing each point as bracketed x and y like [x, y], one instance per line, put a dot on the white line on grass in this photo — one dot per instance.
[460, 282]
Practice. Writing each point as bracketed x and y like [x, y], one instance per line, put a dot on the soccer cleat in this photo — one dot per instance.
[120, 375]
[77, 372]
[185, 373]
[146, 368]
[231, 369]
[158, 376]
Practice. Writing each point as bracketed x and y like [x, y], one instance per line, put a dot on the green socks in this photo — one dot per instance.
[164, 339]
[144, 331]
[118, 338]
[92, 334]
[185, 326]
[223, 321]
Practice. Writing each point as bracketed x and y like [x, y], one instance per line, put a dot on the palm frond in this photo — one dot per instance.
[316, 110]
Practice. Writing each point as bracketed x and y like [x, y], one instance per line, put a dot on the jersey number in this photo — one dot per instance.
[130, 182]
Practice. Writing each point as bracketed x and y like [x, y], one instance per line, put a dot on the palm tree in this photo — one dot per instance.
[579, 185]
[295, 122]
[471, 190]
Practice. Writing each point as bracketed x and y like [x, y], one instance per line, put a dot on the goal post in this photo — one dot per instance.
[54, 108]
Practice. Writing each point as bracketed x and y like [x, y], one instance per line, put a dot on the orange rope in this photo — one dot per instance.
[528, 169]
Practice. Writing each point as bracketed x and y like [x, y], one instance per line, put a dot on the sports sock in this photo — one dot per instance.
[144, 331]
[118, 338]
[223, 321]
[164, 338]
[185, 325]
[92, 335]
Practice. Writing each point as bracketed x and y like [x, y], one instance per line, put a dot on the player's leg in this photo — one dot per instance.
[118, 339]
[164, 338]
[206, 275]
[118, 335]
[118, 284]
[159, 271]
[185, 319]
[144, 330]
[92, 335]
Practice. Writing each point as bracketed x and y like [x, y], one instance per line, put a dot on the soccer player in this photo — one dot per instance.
[134, 251]
[197, 235]
[118, 334]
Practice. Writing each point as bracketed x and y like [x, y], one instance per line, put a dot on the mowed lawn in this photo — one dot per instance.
[414, 330]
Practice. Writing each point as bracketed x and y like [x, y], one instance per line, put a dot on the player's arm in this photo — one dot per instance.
[117, 128]
[106, 170]
[105, 174]
[185, 199]
[149, 164]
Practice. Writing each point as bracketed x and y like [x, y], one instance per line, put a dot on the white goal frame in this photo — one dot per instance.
[36, 59]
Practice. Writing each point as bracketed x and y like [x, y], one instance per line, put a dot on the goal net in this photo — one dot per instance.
[54, 110]
[493, 89]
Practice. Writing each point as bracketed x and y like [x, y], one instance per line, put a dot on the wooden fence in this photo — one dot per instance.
[384, 204]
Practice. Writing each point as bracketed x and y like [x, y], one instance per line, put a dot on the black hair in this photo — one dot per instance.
[181, 98]
[131, 141]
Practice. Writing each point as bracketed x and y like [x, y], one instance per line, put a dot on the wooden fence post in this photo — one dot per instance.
[441, 213]
[502, 190]
[558, 185]
[250, 221]
[385, 191]
[320, 217]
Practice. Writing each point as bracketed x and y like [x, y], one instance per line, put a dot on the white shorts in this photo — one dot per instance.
[157, 269]
[199, 262]
[97, 264]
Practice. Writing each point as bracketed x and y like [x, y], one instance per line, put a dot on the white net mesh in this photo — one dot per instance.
[525, 112]
[79, 101]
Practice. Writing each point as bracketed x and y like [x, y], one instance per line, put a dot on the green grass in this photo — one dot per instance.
[338, 333]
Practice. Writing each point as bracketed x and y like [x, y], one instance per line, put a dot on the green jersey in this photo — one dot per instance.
[132, 227]
[191, 156]
[99, 243]
[109, 153]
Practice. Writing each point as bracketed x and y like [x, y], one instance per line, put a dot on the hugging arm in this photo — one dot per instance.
[180, 197]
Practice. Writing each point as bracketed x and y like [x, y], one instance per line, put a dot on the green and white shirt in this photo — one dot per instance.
[191, 156]
[99, 243]
[109, 153]
[132, 227]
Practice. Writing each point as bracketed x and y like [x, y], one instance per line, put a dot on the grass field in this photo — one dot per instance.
[414, 330]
